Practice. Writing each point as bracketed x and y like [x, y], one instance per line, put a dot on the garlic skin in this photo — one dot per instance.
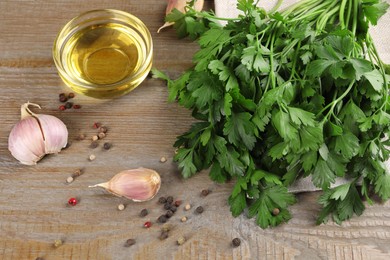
[36, 135]
[138, 185]
[179, 5]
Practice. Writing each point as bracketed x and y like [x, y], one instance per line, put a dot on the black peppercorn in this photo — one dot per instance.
[173, 208]
[170, 199]
[107, 146]
[236, 242]
[71, 95]
[129, 242]
[68, 105]
[93, 144]
[167, 206]
[162, 200]
[169, 213]
[162, 219]
[143, 213]
[199, 210]
[205, 192]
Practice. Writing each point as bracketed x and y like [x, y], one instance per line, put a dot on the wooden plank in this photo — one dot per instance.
[142, 128]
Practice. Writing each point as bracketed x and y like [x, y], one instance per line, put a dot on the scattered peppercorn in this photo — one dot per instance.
[205, 192]
[173, 208]
[184, 219]
[162, 219]
[76, 106]
[163, 235]
[236, 242]
[62, 98]
[93, 144]
[199, 210]
[169, 213]
[121, 207]
[177, 203]
[163, 159]
[92, 157]
[107, 146]
[147, 224]
[162, 200]
[96, 125]
[170, 199]
[167, 206]
[72, 201]
[95, 138]
[81, 137]
[68, 105]
[101, 135]
[71, 95]
[69, 179]
[62, 107]
[143, 213]
[57, 243]
[181, 240]
[77, 173]
[103, 129]
[187, 207]
[275, 211]
[130, 242]
[166, 227]
[39, 258]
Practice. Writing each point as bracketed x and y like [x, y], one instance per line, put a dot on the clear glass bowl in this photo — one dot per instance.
[103, 53]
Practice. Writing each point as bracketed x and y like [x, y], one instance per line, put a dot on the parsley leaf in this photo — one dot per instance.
[270, 198]
[239, 128]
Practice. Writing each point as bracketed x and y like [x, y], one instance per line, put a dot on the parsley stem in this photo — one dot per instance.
[341, 13]
[349, 12]
[276, 6]
[382, 70]
[355, 15]
[333, 104]
[324, 18]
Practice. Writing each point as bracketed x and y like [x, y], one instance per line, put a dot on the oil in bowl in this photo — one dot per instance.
[103, 53]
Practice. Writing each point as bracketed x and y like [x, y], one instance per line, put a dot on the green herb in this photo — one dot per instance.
[283, 95]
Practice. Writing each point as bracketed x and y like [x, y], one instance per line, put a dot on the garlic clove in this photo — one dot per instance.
[180, 6]
[55, 133]
[137, 184]
[36, 135]
[25, 141]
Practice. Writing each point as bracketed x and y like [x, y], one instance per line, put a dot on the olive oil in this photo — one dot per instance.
[104, 59]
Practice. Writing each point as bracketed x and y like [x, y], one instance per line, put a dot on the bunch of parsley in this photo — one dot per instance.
[283, 95]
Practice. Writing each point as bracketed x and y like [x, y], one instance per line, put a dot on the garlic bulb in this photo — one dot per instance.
[179, 5]
[36, 135]
[137, 184]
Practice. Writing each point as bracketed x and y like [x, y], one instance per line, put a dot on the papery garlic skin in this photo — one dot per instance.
[139, 185]
[36, 135]
[179, 5]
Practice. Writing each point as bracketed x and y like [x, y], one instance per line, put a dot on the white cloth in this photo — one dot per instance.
[380, 34]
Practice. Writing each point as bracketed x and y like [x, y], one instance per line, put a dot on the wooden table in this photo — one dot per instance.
[142, 128]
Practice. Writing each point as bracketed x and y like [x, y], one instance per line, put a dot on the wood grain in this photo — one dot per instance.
[142, 128]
